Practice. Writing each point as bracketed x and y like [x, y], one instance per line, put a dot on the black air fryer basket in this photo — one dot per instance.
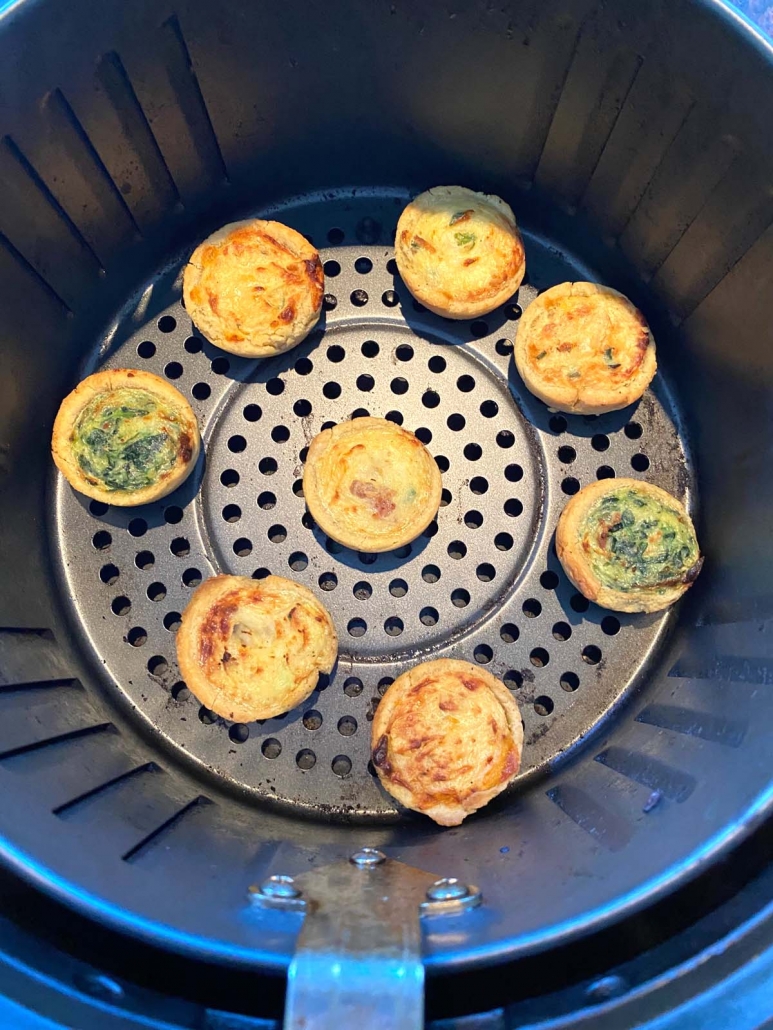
[634, 143]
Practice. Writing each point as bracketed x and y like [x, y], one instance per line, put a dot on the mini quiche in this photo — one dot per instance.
[254, 288]
[125, 437]
[252, 649]
[447, 738]
[628, 545]
[584, 348]
[459, 252]
[371, 485]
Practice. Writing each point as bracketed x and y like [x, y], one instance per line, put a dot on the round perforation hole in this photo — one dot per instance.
[539, 657]
[180, 547]
[478, 485]
[312, 719]
[137, 636]
[562, 631]
[483, 654]
[394, 626]
[640, 462]
[610, 625]
[578, 603]
[543, 705]
[460, 597]
[347, 725]
[473, 519]
[328, 581]
[591, 654]
[633, 431]
[398, 588]
[457, 549]
[156, 592]
[146, 349]
[566, 455]
[513, 679]
[600, 442]
[509, 633]
[305, 759]
[120, 605]
[569, 682]
[428, 616]
[193, 344]
[341, 765]
[158, 665]
[485, 572]
[531, 608]
[109, 574]
[353, 686]
[271, 748]
[430, 573]
[605, 472]
[172, 621]
[357, 627]
[370, 349]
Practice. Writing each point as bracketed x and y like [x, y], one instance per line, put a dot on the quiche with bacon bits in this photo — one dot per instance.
[585, 348]
[254, 288]
[371, 485]
[447, 738]
[252, 649]
[628, 545]
[459, 252]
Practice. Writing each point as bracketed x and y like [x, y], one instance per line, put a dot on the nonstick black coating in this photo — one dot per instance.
[631, 155]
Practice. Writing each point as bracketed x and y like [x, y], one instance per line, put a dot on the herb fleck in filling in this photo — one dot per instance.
[634, 542]
[127, 439]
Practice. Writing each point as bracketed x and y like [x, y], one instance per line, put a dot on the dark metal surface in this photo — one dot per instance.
[482, 583]
[633, 156]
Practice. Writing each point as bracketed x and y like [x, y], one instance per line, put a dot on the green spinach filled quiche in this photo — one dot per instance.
[628, 545]
[125, 437]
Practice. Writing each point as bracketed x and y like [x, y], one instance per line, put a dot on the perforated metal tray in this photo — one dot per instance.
[482, 583]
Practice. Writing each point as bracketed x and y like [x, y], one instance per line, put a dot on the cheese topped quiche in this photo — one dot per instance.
[125, 437]
[254, 288]
[447, 738]
[252, 649]
[459, 252]
[371, 485]
[628, 545]
[584, 348]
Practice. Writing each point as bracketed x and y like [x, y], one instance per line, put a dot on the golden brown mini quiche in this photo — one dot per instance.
[125, 437]
[584, 348]
[447, 738]
[254, 288]
[371, 485]
[628, 545]
[459, 252]
[252, 649]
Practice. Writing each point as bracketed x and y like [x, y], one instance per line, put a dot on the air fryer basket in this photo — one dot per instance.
[634, 145]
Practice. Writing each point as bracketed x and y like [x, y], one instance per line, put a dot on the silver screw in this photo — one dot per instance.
[279, 887]
[447, 889]
[365, 858]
